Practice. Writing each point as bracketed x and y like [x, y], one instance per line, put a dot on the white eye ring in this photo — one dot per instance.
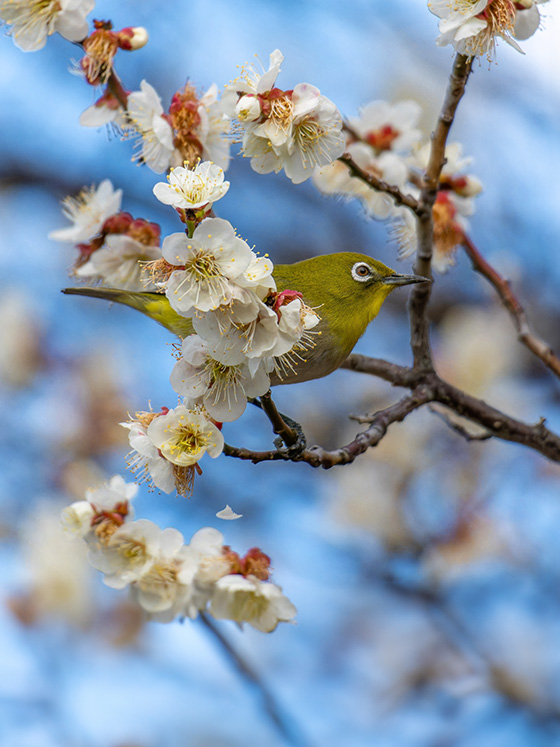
[362, 272]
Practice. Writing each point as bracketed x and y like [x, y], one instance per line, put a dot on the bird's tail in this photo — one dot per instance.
[154, 305]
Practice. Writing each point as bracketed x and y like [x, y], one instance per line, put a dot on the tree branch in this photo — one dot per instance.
[420, 294]
[316, 456]
[525, 335]
[378, 184]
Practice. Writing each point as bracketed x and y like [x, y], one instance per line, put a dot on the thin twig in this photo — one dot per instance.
[420, 294]
[271, 708]
[484, 435]
[525, 335]
[378, 184]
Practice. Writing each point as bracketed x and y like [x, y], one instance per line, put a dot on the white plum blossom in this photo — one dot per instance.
[111, 494]
[472, 26]
[251, 82]
[192, 188]
[239, 332]
[146, 116]
[146, 460]
[31, 21]
[317, 137]
[183, 436]
[118, 264]
[222, 389]
[247, 599]
[450, 225]
[386, 165]
[128, 552]
[209, 263]
[106, 110]
[88, 212]
[164, 586]
[258, 277]
[386, 126]
[453, 173]
[213, 129]
[527, 18]
[296, 318]
[302, 131]
[206, 548]
[76, 518]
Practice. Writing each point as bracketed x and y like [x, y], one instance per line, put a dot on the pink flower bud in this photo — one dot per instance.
[132, 38]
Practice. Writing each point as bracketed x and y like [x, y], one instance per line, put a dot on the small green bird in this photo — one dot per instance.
[346, 289]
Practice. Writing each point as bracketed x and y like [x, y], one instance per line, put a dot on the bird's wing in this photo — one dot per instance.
[154, 305]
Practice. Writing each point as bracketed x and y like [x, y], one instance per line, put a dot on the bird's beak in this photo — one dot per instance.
[397, 279]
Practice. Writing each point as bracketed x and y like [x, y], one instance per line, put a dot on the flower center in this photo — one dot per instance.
[383, 138]
[281, 112]
[500, 16]
[202, 267]
[248, 606]
[186, 439]
[132, 551]
[30, 16]
[160, 574]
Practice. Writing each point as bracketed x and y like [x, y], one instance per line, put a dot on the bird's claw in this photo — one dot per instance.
[295, 449]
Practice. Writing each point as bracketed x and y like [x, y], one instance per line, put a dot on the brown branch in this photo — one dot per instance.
[316, 456]
[378, 184]
[391, 372]
[525, 335]
[484, 435]
[420, 294]
[500, 425]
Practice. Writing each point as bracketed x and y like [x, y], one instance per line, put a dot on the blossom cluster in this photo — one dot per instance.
[385, 143]
[111, 244]
[295, 130]
[243, 329]
[472, 26]
[168, 578]
[238, 327]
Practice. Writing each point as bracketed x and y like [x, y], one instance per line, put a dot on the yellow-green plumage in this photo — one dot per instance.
[331, 284]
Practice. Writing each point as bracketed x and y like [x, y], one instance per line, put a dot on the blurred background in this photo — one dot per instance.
[426, 574]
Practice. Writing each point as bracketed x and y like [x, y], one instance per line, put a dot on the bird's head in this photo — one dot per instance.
[347, 289]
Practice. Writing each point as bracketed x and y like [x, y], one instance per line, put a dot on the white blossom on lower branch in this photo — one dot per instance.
[261, 604]
[170, 579]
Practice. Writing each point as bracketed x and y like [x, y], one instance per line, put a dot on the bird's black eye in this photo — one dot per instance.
[361, 272]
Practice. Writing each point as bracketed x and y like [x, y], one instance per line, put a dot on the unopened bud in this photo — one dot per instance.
[248, 109]
[467, 186]
[132, 38]
[524, 4]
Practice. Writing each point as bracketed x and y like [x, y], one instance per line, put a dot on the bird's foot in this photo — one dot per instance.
[295, 449]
